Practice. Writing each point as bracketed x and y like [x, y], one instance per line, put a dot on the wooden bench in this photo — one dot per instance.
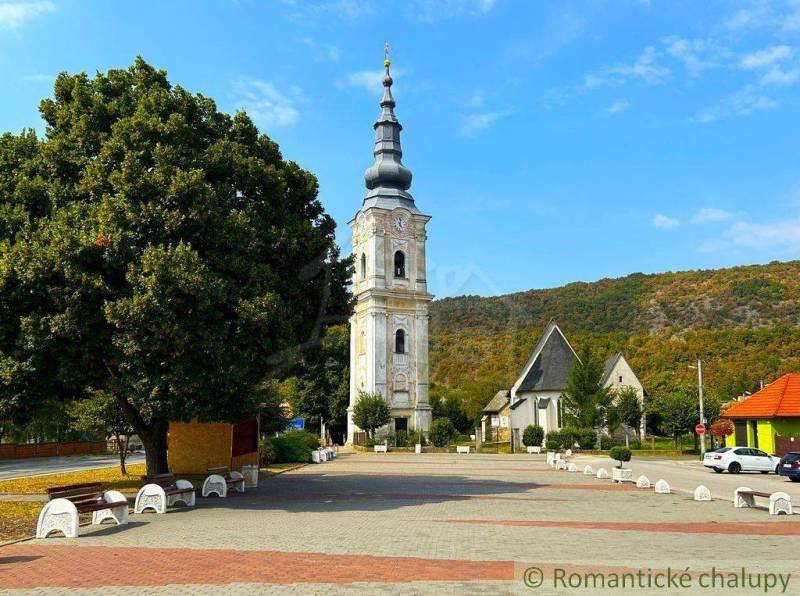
[161, 491]
[61, 513]
[779, 502]
[220, 480]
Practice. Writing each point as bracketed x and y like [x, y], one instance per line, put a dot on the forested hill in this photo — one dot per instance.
[744, 321]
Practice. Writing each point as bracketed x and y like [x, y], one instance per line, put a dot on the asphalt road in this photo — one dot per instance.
[16, 468]
[686, 475]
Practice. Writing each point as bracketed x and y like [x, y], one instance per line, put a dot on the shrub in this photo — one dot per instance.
[586, 438]
[441, 432]
[621, 454]
[532, 436]
[288, 448]
[415, 437]
[266, 452]
[567, 438]
[553, 441]
[401, 438]
[308, 439]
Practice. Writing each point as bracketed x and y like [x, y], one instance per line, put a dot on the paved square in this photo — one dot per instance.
[412, 524]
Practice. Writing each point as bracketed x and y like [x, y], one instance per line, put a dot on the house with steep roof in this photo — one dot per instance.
[536, 395]
[496, 417]
[769, 419]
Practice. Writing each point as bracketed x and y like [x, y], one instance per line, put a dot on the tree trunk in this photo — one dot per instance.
[154, 438]
[123, 453]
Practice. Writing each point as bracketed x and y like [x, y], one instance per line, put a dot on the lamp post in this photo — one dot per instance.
[699, 368]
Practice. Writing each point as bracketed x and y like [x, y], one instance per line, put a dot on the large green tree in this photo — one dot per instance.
[156, 248]
[587, 404]
[323, 385]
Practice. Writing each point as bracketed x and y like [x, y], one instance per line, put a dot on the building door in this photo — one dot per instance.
[754, 426]
[740, 427]
[400, 424]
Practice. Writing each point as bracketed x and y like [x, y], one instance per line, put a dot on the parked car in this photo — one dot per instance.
[790, 466]
[741, 459]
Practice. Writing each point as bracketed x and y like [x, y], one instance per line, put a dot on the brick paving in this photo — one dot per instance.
[426, 524]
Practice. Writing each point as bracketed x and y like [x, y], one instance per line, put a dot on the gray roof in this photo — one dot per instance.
[609, 368]
[498, 402]
[387, 179]
[553, 358]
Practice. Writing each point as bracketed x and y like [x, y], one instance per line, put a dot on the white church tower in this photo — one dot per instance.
[389, 328]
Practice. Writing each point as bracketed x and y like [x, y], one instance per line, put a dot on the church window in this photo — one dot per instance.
[399, 264]
[400, 341]
[363, 266]
[620, 378]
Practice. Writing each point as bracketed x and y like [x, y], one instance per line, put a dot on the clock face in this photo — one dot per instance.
[399, 223]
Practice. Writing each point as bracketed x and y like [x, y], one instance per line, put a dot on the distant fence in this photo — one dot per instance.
[26, 450]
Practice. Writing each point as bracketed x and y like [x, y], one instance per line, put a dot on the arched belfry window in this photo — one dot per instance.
[363, 266]
[400, 341]
[399, 264]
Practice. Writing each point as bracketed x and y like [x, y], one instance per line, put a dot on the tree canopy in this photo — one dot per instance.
[158, 249]
[587, 404]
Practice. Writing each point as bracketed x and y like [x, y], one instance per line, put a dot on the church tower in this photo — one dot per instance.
[389, 328]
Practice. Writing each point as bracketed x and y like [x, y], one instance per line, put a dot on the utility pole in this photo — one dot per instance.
[699, 368]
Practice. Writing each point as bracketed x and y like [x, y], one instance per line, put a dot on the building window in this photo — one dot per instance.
[559, 413]
[400, 341]
[399, 264]
[620, 378]
[363, 266]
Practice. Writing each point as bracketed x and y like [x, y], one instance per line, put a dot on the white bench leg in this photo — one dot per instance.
[151, 496]
[185, 498]
[780, 503]
[740, 500]
[59, 515]
[215, 484]
[118, 514]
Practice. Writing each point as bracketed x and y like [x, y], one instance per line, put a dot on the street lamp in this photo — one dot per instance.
[699, 368]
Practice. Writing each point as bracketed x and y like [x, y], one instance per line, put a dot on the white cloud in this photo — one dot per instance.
[472, 124]
[322, 52]
[369, 80]
[696, 55]
[744, 102]
[645, 68]
[14, 14]
[766, 57]
[781, 78]
[618, 107]
[711, 214]
[664, 222]
[266, 105]
[477, 99]
[431, 11]
[782, 235]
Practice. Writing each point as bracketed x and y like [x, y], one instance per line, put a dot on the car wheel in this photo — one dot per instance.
[795, 479]
[767, 471]
[717, 470]
[735, 467]
[778, 469]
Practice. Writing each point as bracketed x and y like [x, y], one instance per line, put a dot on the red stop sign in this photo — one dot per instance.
[700, 429]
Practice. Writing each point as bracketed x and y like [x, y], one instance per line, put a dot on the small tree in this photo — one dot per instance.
[621, 454]
[532, 436]
[628, 408]
[721, 428]
[678, 412]
[100, 415]
[442, 432]
[371, 412]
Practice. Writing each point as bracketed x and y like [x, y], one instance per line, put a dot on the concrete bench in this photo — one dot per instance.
[220, 480]
[534, 449]
[381, 449]
[779, 503]
[61, 513]
[161, 491]
[462, 449]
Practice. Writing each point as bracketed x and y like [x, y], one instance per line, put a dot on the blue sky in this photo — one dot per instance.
[551, 142]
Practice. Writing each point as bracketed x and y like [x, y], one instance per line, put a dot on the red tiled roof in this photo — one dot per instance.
[778, 399]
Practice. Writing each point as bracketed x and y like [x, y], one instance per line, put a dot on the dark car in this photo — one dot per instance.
[789, 466]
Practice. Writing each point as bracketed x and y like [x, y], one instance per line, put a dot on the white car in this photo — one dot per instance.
[741, 459]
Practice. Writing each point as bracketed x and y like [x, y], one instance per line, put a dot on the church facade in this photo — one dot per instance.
[389, 326]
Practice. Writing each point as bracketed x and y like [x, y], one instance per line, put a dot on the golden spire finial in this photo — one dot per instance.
[386, 61]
